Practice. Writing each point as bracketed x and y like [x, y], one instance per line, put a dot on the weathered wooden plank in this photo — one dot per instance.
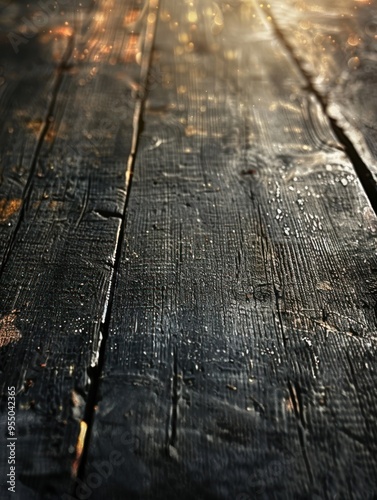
[336, 44]
[242, 349]
[31, 60]
[56, 276]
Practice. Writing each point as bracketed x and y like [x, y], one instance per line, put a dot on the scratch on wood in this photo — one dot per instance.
[84, 204]
[324, 322]
[324, 286]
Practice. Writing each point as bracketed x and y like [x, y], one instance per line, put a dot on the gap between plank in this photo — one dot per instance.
[362, 170]
[137, 122]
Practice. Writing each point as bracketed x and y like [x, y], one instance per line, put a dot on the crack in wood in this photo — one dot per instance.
[177, 377]
[295, 395]
[108, 214]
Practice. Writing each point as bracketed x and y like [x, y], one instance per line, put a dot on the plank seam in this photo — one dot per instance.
[137, 122]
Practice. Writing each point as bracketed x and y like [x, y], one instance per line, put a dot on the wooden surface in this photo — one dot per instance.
[188, 252]
[335, 43]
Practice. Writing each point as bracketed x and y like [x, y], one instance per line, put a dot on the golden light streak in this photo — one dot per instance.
[79, 447]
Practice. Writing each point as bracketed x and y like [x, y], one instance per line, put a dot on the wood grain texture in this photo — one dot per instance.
[31, 63]
[336, 44]
[242, 348]
[61, 243]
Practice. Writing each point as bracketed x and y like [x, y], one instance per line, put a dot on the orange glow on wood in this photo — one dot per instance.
[9, 208]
